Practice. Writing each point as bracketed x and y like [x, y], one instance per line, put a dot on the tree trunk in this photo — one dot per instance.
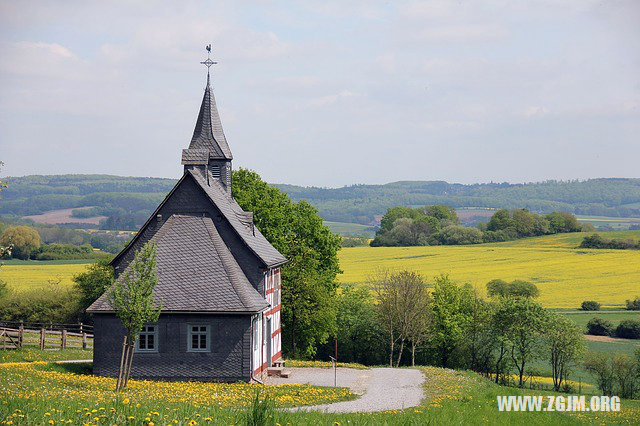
[130, 361]
[499, 361]
[400, 352]
[413, 353]
[391, 351]
[122, 364]
[445, 356]
[293, 333]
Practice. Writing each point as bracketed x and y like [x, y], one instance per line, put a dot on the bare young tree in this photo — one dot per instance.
[387, 297]
[403, 306]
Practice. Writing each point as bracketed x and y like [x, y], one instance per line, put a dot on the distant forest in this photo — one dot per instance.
[128, 201]
[366, 203]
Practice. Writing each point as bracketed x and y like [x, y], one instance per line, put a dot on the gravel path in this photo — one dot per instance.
[380, 388]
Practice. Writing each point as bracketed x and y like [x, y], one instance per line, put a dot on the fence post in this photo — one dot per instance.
[20, 334]
[84, 340]
[42, 337]
[63, 339]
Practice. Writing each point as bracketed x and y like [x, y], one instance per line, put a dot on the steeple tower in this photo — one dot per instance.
[208, 151]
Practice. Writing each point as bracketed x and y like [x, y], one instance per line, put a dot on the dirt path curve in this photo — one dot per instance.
[381, 389]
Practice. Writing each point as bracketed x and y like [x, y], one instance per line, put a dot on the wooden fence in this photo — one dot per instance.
[46, 336]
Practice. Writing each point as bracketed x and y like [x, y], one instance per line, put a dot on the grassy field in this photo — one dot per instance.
[614, 222]
[351, 229]
[43, 394]
[565, 274]
[28, 275]
[615, 316]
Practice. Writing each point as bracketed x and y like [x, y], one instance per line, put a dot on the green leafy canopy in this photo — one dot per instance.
[132, 294]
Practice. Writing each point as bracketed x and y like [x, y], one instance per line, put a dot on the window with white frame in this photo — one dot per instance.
[148, 339]
[198, 338]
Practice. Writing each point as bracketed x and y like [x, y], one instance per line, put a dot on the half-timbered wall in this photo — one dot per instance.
[273, 295]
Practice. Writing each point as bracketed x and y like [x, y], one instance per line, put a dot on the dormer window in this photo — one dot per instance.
[215, 171]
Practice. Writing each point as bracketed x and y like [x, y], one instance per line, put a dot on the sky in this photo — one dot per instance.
[326, 93]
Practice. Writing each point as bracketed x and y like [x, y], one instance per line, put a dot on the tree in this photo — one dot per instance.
[23, 240]
[624, 372]
[517, 288]
[443, 214]
[480, 341]
[395, 213]
[524, 222]
[387, 298]
[500, 220]
[566, 346]
[521, 288]
[309, 278]
[449, 319]
[358, 329]
[456, 235]
[132, 299]
[599, 365]
[416, 309]
[403, 304]
[563, 222]
[523, 320]
[93, 282]
[497, 288]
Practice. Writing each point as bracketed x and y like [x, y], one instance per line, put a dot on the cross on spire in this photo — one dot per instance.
[208, 62]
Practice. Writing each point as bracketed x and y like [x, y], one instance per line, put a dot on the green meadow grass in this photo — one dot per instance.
[450, 398]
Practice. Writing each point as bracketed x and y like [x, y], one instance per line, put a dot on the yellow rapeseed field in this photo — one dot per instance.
[565, 274]
[38, 275]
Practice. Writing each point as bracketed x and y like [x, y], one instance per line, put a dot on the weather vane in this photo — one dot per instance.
[208, 62]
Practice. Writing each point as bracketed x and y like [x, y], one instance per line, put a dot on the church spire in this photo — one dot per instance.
[208, 133]
[208, 150]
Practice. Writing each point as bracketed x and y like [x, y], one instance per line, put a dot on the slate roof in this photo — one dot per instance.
[195, 156]
[196, 271]
[208, 133]
[241, 221]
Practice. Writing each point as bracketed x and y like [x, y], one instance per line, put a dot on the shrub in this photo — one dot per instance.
[4, 289]
[633, 305]
[590, 305]
[53, 305]
[628, 329]
[517, 288]
[63, 252]
[457, 235]
[599, 327]
[596, 241]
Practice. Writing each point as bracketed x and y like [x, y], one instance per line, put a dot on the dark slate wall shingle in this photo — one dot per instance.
[227, 361]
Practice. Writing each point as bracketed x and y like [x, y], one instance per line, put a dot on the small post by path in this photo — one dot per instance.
[63, 339]
[335, 371]
[84, 341]
[42, 337]
[20, 334]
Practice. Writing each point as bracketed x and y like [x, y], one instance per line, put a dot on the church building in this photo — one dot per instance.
[218, 277]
